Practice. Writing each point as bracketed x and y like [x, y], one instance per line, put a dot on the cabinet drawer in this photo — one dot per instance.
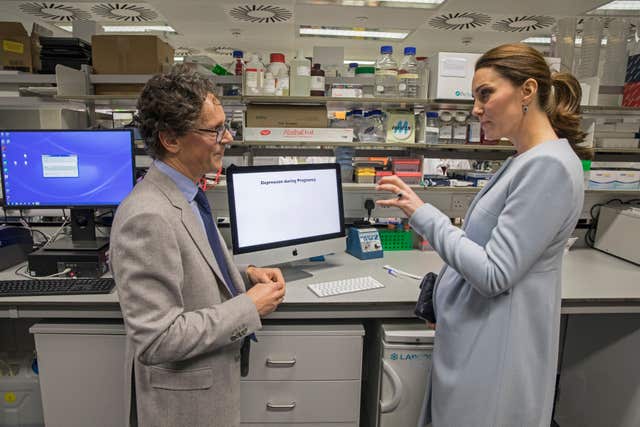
[283, 358]
[300, 401]
[299, 425]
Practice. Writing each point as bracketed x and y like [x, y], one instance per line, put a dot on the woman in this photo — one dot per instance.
[497, 300]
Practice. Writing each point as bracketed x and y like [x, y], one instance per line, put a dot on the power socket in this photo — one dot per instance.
[461, 202]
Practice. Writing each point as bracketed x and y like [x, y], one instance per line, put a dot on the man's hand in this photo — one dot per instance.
[266, 296]
[264, 275]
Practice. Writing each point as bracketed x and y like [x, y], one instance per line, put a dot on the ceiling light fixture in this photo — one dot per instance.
[621, 5]
[68, 28]
[137, 28]
[357, 34]
[422, 4]
[359, 61]
[547, 40]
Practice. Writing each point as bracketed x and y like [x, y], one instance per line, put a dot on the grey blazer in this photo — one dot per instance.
[184, 330]
[497, 299]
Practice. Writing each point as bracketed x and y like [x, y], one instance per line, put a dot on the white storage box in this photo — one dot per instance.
[627, 180]
[298, 134]
[602, 179]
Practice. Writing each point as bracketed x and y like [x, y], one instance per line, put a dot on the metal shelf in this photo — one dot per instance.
[617, 150]
[384, 145]
[27, 78]
[143, 78]
[36, 102]
[610, 110]
[119, 78]
[333, 102]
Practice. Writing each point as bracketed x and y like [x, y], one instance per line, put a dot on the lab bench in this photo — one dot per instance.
[327, 337]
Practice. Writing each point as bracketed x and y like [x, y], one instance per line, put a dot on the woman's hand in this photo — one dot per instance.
[404, 197]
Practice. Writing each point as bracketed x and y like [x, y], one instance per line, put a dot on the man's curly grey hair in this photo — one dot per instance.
[172, 103]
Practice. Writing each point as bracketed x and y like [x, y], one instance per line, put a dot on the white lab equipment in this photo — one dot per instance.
[618, 232]
[451, 75]
[400, 363]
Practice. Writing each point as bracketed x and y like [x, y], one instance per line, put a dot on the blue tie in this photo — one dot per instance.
[214, 242]
[214, 239]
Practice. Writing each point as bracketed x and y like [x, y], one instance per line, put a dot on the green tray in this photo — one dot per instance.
[396, 240]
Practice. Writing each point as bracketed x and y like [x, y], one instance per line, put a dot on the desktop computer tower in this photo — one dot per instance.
[86, 263]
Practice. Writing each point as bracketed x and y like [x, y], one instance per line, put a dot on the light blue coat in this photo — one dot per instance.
[497, 300]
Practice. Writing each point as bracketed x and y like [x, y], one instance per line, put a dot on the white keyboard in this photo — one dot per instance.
[345, 286]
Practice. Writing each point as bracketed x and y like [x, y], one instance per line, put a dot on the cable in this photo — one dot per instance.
[60, 273]
[11, 374]
[590, 235]
[55, 235]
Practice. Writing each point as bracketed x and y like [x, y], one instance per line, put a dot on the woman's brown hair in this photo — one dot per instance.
[559, 94]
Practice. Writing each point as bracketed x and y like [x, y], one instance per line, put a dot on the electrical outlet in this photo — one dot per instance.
[461, 202]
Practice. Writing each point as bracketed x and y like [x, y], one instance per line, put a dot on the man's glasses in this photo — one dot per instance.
[219, 132]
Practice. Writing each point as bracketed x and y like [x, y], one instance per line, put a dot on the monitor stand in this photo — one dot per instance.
[83, 234]
[293, 273]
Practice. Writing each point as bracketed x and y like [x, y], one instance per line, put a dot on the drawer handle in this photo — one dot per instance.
[281, 363]
[275, 407]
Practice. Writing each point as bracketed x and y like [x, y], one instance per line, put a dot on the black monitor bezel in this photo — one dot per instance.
[69, 206]
[234, 170]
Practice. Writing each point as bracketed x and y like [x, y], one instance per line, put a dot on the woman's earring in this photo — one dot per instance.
[525, 108]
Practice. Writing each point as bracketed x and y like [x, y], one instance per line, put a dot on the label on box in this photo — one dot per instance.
[298, 134]
[346, 93]
[13, 47]
[446, 131]
[460, 132]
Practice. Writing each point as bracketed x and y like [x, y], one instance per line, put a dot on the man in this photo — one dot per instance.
[183, 300]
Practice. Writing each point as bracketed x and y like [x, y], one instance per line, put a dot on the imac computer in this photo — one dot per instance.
[76, 169]
[285, 213]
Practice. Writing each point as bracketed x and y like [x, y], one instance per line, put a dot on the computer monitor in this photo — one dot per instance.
[285, 213]
[77, 169]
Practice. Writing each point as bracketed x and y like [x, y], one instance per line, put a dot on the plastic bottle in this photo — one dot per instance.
[239, 63]
[280, 72]
[408, 74]
[423, 77]
[300, 79]
[350, 70]
[357, 123]
[269, 87]
[432, 130]
[386, 74]
[317, 81]
[253, 76]
[366, 72]
[460, 127]
[445, 124]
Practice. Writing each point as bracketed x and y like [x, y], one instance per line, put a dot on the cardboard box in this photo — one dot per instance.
[15, 47]
[631, 94]
[298, 134]
[117, 89]
[287, 116]
[130, 54]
